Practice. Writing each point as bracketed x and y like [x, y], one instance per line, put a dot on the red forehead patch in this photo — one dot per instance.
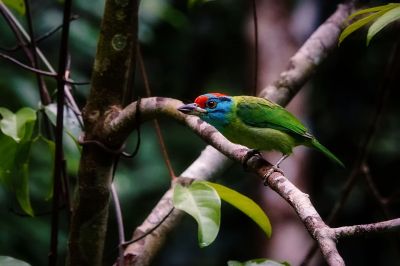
[202, 99]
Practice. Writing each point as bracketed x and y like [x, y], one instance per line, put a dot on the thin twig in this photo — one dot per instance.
[156, 124]
[359, 230]
[32, 69]
[382, 202]
[59, 154]
[38, 39]
[43, 92]
[13, 24]
[52, 31]
[255, 23]
[20, 31]
[159, 223]
[120, 224]
[41, 72]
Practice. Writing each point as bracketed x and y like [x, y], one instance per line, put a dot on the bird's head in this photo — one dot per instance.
[214, 108]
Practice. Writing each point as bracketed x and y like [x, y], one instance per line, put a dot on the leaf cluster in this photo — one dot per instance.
[381, 15]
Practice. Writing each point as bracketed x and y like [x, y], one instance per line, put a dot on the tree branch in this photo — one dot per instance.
[152, 107]
[364, 229]
[323, 41]
[307, 59]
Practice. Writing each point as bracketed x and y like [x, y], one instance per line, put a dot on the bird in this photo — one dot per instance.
[256, 123]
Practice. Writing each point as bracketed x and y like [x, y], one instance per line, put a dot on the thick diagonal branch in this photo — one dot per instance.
[302, 66]
[152, 107]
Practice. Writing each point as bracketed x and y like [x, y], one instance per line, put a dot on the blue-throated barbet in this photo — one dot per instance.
[254, 122]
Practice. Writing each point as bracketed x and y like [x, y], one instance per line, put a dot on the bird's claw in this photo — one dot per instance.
[273, 168]
[247, 157]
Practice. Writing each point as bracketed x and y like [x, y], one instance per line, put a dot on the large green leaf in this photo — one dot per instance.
[202, 202]
[18, 125]
[18, 5]
[10, 261]
[245, 205]
[14, 166]
[15, 146]
[258, 262]
[383, 21]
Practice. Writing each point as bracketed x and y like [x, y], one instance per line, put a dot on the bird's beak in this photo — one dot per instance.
[191, 109]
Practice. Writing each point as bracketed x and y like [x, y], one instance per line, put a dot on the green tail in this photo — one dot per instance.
[315, 144]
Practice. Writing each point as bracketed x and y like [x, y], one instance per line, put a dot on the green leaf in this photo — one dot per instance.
[258, 262]
[10, 261]
[14, 166]
[245, 205]
[359, 23]
[203, 203]
[52, 149]
[383, 21]
[15, 146]
[22, 189]
[18, 125]
[18, 5]
[8, 151]
[373, 9]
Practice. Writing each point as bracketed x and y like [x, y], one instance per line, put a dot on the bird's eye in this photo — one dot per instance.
[211, 104]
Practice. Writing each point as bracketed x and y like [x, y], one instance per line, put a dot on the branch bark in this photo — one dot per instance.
[364, 229]
[302, 65]
[151, 107]
[206, 166]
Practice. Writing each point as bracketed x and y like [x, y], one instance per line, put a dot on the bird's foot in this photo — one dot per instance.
[274, 168]
[247, 157]
[269, 172]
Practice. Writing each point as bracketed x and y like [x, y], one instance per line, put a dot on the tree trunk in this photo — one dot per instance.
[111, 79]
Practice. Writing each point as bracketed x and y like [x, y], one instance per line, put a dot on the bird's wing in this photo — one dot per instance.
[258, 112]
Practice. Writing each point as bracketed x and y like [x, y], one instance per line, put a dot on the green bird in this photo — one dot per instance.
[255, 122]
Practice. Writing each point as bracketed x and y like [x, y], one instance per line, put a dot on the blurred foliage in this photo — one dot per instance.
[381, 15]
[188, 51]
[18, 5]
